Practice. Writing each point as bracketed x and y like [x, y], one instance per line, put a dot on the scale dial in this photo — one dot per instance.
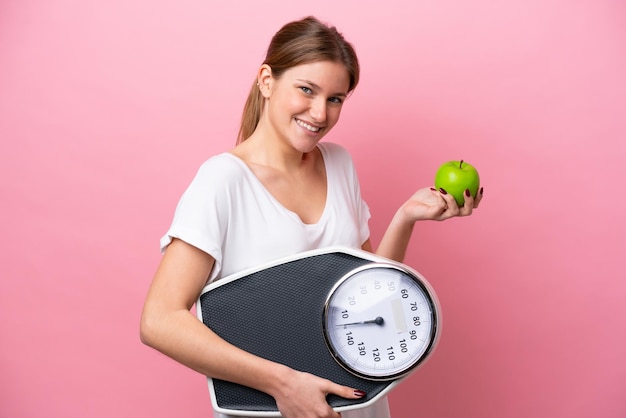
[381, 321]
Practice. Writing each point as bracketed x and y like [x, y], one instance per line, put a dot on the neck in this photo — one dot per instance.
[278, 155]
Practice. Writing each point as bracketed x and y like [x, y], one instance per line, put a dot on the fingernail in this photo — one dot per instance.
[467, 193]
[443, 191]
[433, 189]
[359, 393]
[481, 191]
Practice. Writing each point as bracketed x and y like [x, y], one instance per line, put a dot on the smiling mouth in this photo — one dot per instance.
[308, 127]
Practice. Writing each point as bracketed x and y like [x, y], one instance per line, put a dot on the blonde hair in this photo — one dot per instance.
[299, 42]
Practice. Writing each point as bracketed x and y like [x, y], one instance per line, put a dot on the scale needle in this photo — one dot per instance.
[378, 321]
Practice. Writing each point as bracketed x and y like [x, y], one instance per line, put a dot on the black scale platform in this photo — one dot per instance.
[276, 313]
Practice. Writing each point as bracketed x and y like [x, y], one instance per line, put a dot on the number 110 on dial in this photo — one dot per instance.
[381, 321]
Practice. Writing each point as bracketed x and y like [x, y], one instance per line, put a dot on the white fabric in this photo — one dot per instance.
[228, 213]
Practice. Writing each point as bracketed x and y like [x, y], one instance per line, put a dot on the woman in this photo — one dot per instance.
[278, 192]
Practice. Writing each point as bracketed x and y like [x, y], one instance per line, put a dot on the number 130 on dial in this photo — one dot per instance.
[381, 321]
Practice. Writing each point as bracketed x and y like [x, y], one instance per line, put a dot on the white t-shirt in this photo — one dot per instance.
[228, 213]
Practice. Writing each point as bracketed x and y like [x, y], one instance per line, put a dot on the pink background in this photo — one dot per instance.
[107, 108]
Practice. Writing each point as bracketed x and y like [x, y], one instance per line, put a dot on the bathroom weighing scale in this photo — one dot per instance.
[343, 314]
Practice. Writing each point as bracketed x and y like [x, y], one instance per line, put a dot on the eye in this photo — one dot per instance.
[306, 90]
[335, 100]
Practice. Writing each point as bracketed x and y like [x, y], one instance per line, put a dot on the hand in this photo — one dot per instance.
[305, 397]
[438, 205]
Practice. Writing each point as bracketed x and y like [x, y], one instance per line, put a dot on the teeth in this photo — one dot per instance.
[307, 126]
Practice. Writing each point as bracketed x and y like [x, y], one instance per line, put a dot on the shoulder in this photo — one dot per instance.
[220, 162]
[335, 153]
[221, 167]
[218, 176]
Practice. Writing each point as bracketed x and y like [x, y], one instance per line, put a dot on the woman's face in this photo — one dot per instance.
[304, 104]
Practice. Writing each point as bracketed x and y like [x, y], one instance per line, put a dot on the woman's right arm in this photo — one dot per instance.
[168, 326]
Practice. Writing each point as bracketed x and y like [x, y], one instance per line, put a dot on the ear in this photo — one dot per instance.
[265, 80]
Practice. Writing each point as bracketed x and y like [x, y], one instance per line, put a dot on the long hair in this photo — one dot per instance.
[299, 42]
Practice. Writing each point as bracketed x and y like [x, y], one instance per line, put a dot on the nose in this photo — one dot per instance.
[318, 109]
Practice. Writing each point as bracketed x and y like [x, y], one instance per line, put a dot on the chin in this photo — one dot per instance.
[306, 145]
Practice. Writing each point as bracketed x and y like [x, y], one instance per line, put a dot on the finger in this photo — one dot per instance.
[479, 197]
[452, 207]
[439, 196]
[468, 206]
[345, 391]
[438, 208]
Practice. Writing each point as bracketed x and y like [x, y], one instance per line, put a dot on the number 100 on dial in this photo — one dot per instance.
[381, 321]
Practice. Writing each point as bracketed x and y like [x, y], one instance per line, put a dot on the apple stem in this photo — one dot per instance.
[461, 163]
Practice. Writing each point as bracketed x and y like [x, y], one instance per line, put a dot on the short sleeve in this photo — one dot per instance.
[202, 215]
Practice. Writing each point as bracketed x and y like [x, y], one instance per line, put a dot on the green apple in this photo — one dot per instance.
[455, 177]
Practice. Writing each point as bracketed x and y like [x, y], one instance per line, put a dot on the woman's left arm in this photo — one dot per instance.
[425, 204]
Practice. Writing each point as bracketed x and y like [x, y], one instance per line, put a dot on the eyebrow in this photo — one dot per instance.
[316, 87]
